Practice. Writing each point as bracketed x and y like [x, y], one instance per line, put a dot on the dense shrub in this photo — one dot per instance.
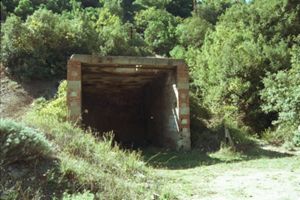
[191, 32]
[296, 138]
[247, 43]
[24, 8]
[282, 95]
[158, 27]
[20, 143]
[116, 38]
[40, 46]
[56, 107]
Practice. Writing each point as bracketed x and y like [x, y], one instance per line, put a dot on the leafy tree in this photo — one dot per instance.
[210, 10]
[181, 8]
[40, 46]
[91, 3]
[116, 38]
[159, 4]
[236, 56]
[114, 7]
[191, 33]
[158, 27]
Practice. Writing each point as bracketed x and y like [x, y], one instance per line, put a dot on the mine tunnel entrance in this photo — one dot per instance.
[141, 100]
[134, 103]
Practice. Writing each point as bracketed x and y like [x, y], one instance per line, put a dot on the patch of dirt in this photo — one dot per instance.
[255, 184]
[16, 97]
[281, 149]
[265, 178]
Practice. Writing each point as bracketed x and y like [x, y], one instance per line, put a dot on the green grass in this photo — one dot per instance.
[83, 164]
[98, 166]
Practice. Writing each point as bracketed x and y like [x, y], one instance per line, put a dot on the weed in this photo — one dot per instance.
[19, 142]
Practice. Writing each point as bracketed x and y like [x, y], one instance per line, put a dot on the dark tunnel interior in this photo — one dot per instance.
[137, 104]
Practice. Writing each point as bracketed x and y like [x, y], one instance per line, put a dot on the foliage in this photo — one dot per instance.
[282, 95]
[86, 196]
[191, 32]
[296, 138]
[39, 47]
[96, 165]
[56, 107]
[179, 8]
[230, 66]
[86, 164]
[240, 53]
[21, 143]
[25, 8]
[158, 27]
[116, 38]
[114, 6]
[211, 10]
[159, 4]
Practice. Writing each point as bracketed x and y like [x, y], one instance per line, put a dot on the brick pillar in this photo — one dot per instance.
[74, 90]
[183, 106]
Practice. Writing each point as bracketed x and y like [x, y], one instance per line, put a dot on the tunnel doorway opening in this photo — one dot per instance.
[144, 101]
[131, 102]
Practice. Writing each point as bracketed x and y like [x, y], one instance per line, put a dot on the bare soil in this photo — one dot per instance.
[16, 96]
[266, 178]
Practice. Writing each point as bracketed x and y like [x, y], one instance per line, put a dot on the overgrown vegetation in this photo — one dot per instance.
[80, 164]
[20, 143]
[243, 55]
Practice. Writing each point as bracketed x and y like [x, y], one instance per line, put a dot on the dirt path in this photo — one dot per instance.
[259, 179]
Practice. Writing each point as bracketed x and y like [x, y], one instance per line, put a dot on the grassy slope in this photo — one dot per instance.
[95, 165]
[81, 164]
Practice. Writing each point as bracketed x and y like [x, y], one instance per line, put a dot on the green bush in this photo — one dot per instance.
[20, 143]
[56, 107]
[116, 38]
[282, 95]
[40, 46]
[191, 32]
[158, 27]
[247, 43]
[296, 138]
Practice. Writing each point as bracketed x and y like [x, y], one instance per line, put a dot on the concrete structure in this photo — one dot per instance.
[144, 100]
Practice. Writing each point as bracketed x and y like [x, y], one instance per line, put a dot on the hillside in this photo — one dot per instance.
[234, 99]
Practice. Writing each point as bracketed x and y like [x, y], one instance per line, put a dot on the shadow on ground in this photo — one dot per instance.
[34, 179]
[159, 158]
